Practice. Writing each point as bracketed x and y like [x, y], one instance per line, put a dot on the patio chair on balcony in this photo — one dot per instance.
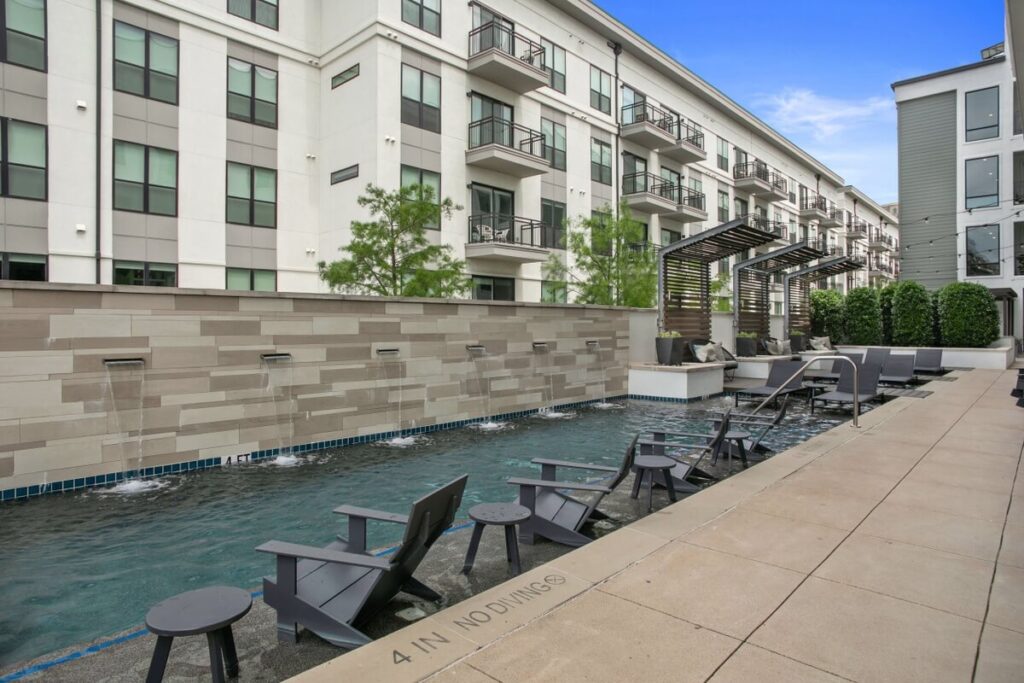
[560, 509]
[334, 590]
[898, 369]
[780, 371]
[688, 450]
[843, 395]
[929, 362]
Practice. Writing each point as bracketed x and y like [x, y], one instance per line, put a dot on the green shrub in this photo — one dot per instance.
[936, 324]
[912, 315]
[885, 304]
[968, 315]
[828, 314]
[863, 317]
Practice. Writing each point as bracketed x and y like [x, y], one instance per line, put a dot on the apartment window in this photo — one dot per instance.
[1018, 248]
[252, 93]
[344, 174]
[345, 76]
[251, 280]
[23, 267]
[600, 162]
[741, 156]
[416, 176]
[600, 90]
[145, 179]
[600, 239]
[723, 154]
[25, 33]
[262, 12]
[672, 178]
[494, 288]
[670, 236]
[982, 250]
[696, 184]
[792, 230]
[554, 143]
[145, 63]
[724, 265]
[252, 195]
[742, 208]
[554, 64]
[777, 306]
[553, 292]
[981, 114]
[723, 206]
[421, 99]
[552, 217]
[1018, 122]
[633, 105]
[24, 160]
[424, 14]
[982, 181]
[145, 274]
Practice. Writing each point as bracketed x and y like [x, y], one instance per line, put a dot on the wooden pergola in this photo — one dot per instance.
[684, 273]
[796, 288]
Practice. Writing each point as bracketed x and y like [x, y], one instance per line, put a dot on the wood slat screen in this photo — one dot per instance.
[755, 302]
[800, 305]
[686, 303]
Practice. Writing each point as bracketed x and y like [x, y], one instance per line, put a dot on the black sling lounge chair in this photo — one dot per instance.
[687, 475]
[843, 395]
[877, 356]
[557, 515]
[929, 362]
[898, 369]
[780, 371]
[332, 591]
[838, 365]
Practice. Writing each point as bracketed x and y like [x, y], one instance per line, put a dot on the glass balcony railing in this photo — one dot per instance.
[497, 131]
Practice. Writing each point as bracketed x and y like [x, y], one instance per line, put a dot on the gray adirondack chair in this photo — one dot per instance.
[557, 515]
[843, 395]
[929, 361]
[898, 369]
[333, 590]
[780, 371]
[688, 450]
[758, 426]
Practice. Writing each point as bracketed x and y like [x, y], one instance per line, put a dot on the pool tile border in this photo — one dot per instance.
[99, 480]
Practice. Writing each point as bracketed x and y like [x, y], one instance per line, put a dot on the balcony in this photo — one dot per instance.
[777, 228]
[648, 193]
[879, 241]
[880, 270]
[648, 126]
[507, 58]
[757, 178]
[813, 207]
[690, 204]
[689, 145]
[856, 229]
[834, 219]
[506, 147]
[512, 239]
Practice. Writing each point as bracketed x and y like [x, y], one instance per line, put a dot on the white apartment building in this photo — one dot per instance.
[223, 143]
[961, 169]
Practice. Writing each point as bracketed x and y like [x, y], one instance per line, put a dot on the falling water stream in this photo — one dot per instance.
[280, 379]
[120, 373]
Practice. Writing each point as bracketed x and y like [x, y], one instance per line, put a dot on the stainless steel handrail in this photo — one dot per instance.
[807, 364]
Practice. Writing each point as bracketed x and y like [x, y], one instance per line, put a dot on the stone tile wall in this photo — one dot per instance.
[205, 394]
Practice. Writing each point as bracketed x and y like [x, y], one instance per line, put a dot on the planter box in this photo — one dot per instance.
[670, 350]
[746, 346]
[797, 342]
[690, 381]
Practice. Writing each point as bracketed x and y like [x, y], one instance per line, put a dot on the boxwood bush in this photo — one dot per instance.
[863, 317]
[968, 316]
[885, 304]
[828, 314]
[912, 315]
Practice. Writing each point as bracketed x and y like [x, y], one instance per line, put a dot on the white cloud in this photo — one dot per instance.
[797, 111]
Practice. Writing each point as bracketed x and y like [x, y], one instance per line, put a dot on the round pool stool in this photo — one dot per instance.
[500, 514]
[207, 610]
[646, 466]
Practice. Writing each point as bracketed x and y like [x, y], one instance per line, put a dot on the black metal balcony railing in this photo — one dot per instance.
[636, 183]
[751, 169]
[496, 36]
[878, 236]
[762, 223]
[496, 131]
[489, 228]
[639, 112]
[779, 182]
[681, 194]
[813, 201]
[835, 214]
[689, 133]
[857, 226]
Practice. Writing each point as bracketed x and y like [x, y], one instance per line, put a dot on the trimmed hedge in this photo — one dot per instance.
[863, 317]
[912, 319]
[885, 304]
[828, 313]
[968, 316]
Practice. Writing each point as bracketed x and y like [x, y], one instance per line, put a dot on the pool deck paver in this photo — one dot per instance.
[890, 552]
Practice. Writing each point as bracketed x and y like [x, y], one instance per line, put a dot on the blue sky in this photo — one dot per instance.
[819, 72]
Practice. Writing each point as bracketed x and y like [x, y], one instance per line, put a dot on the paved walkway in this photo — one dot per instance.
[890, 553]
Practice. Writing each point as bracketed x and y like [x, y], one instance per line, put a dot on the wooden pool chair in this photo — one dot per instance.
[688, 450]
[557, 514]
[334, 590]
[843, 395]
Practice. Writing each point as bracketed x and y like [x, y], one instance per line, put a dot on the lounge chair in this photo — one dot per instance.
[758, 426]
[929, 362]
[781, 370]
[557, 515]
[731, 364]
[877, 356]
[838, 365]
[689, 450]
[898, 369]
[334, 590]
[843, 395]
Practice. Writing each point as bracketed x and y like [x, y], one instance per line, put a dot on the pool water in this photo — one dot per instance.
[83, 565]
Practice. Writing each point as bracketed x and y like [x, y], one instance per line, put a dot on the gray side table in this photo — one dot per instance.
[209, 611]
[646, 466]
[500, 514]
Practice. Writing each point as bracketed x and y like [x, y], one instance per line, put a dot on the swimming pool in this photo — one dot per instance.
[83, 565]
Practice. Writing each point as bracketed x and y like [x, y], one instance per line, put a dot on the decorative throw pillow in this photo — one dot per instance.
[774, 347]
[821, 343]
[785, 348]
[704, 352]
[715, 355]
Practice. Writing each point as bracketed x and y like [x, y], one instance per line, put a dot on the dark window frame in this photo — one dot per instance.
[252, 279]
[420, 172]
[419, 23]
[146, 69]
[253, 4]
[601, 97]
[723, 218]
[146, 281]
[600, 176]
[5, 43]
[996, 262]
[252, 195]
[493, 278]
[340, 79]
[145, 179]
[561, 294]
[722, 161]
[336, 176]
[551, 151]
[5, 266]
[548, 240]
[419, 120]
[967, 129]
[968, 198]
[5, 164]
[252, 97]
[550, 68]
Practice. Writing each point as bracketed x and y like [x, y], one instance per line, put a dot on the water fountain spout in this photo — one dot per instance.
[276, 364]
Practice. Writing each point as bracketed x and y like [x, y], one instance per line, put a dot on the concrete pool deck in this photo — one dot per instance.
[892, 552]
